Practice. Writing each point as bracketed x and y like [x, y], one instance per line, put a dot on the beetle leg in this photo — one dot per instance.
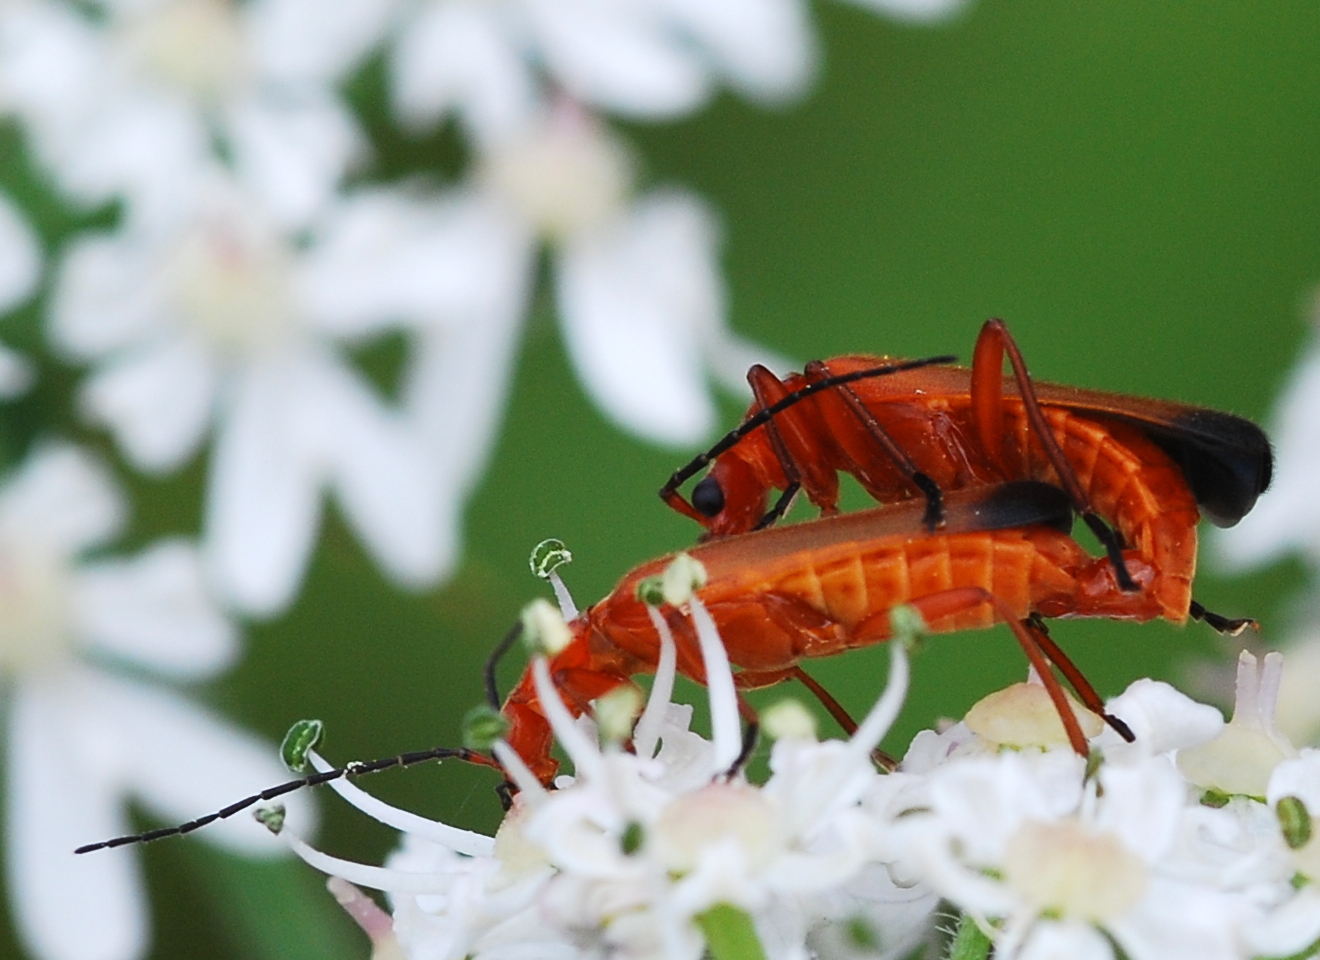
[796, 444]
[988, 408]
[1085, 691]
[923, 484]
[776, 513]
[1225, 625]
[946, 603]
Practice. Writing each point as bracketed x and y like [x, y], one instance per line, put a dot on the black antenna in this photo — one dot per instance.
[355, 769]
[690, 470]
[493, 661]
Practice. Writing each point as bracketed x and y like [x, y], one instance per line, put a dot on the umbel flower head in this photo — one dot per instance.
[658, 850]
[1189, 842]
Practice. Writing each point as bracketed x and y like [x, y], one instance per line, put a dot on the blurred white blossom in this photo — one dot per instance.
[218, 319]
[637, 279]
[132, 98]
[84, 738]
[495, 63]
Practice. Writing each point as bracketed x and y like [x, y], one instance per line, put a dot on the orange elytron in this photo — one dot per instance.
[1149, 468]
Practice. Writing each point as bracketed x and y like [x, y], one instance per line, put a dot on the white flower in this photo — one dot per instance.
[130, 103]
[646, 59]
[20, 266]
[628, 856]
[1025, 840]
[492, 61]
[218, 317]
[82, 740]
[637, 281]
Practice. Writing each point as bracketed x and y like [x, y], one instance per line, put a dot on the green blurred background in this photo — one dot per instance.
[1135, 187]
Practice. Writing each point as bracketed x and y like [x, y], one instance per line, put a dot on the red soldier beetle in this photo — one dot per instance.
[782, 595]
[1147, 467]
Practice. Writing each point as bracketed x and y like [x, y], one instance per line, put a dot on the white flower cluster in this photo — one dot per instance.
[246, 265]
[83, 736]
[1199, 840]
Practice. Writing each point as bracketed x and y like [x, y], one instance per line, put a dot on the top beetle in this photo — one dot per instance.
[1140, 472]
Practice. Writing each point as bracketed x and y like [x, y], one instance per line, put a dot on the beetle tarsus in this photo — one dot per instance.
[1228, 626]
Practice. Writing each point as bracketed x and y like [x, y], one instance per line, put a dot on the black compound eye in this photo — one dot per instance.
[707, 497]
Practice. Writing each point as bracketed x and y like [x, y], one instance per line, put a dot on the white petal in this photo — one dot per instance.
[1288, 929]
[292, 152]
[387, 258]
[301, 41]
[1287, 516]
[17, 374]
[64, 495]
[383, 475]
[157, 401]
[457, 56]
[1143, 804]
[263, 494]
[618, 55]
[105, 296]
[154, 610]
[638, 302]
[20, 256]
[914, 10]
[1183, 921]
[765, 46]
[1162, 718]
[50, 59]
[455, 390]
[1298, 777]
[1050, 940]
[91, 907]
[183, 762]
[148, 149]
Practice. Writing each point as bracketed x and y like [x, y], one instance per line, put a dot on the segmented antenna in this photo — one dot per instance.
[355, 769]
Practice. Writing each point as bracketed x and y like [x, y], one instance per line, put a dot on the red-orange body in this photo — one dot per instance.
[966, 428]
[815, 589]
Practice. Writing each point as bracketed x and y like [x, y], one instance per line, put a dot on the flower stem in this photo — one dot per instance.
[730, 933]
[970, 942]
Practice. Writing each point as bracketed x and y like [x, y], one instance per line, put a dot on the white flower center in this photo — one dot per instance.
[194, 44]
[231, 280]
[35, 622]
[696, 821]
[1065, 868]
[568, 177]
